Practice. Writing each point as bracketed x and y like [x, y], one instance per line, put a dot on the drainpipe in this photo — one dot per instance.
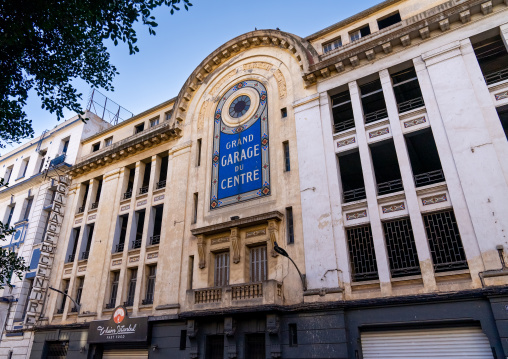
[495, 272]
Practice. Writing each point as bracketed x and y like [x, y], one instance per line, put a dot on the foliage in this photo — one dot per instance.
[46, 44]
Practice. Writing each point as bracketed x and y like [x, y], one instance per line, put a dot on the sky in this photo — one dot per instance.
[183, 40]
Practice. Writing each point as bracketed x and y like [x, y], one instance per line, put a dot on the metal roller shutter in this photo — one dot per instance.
[447, 343]
[125, 354]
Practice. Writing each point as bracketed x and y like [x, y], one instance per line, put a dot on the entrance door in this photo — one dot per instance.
[125, 354]
[255, 346]
[215, 347]
[449, 343]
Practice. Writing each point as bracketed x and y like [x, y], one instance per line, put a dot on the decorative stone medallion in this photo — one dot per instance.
[356, 215]
[434, 199]
[393, 208]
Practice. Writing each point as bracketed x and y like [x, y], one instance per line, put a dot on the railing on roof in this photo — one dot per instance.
[107, 109]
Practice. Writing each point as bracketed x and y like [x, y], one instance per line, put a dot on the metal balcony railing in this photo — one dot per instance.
[95, 205]
[411, 104]
[354, 195]
[160, 184]
[136, 243]
[59, 311]
[155, 239]
[343, 125]
[129, 303]
[427, 178]
[74, 310]
[389, 187]
[376, 115]
[81, 209]
[143, 190]
[109, 305]
[497, 76]
[84, 255]
[71, 258]
[120, 247]
[127, 195]
[147, 301]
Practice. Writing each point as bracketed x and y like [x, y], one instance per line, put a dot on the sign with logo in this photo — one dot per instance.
[240, 159]
[119, 328]
[48, 249]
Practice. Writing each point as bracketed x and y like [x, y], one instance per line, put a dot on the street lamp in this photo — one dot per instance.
[78, 307]
[283, 253]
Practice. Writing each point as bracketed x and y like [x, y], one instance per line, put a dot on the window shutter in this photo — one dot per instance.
[258, 264]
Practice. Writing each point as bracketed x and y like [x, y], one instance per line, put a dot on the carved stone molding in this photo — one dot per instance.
[273, 232]
[201, 251]
[229, 326]
[235, 244]
[272, 324]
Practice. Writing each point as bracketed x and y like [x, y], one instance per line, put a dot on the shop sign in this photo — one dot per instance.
[240, 159]
[119, 328]
[48, 249]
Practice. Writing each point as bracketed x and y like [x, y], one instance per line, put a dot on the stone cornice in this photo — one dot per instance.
[242, 222]
[163, 132]
[397, 35]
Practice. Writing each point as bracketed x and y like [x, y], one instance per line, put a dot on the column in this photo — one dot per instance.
[406, 172]
[315, 197]
[370, 191]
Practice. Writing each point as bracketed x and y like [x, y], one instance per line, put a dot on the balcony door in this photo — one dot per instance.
[258, 264]
[221, 269]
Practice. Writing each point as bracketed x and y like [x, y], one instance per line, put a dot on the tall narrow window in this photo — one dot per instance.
[86, 253]
[150, 285]
[7, 175]
[195, 209]
[42, 159]
[79, 292]
[183, 339]
[190, 272]
[293, 335]
[214, 346]
[24, 166]
[123, 233]
[221, 269]
[361, 253]
[75, 238]
[115, 279]
[157, 225]
[284, 112]
[198, 156]
[28, 207]
[130, 184]
[163, 174]
[97, 194]
[132, 287]
[9, 217]
[83, 200]
[139, 229]
[258, 264]
[65, 146]
[146, 178]
[289, 226]
[65, 289]
[401, 247]
[287, 162]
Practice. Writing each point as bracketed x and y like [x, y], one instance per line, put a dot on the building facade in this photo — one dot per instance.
[372, 152]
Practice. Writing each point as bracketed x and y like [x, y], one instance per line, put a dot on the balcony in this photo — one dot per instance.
[354, 195]
[160, 184]
[95, 205]
[147, 301]
[376, 115]
[427, 178]
[155, 240]
[410, 104]
[74, 310]
[143, 190]
[136, 244]
[343, 125]
[127, 195]
[109, 306]
[267, 292]
[389, 187]
[129, 303]
[81, 209]
[71, 258]
[84, 255]
[59, 311]
[497, 76]
[119, 247]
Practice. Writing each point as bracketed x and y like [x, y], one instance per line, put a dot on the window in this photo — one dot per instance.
[183, 339]
[85, 195]
[9, 217]
[157, 225]
[361, 253]
[28, 207]
[108, 142]
[407, 90]
[214, 347]
[96, 147]
[42, 158]
[221, 269]
[115, 279]
[190, 272]
[195, 209]
[289, 226]
[139, 128]
[7, 175]
[65, 146]
[130, 184]
[168, 115]
[132, 287]
[139, 229]
[389, 20]
[287, 162]
[74, 240]
[154, 121]
[492, 57]
[255, 346]
[146, 178]
[86, 253]
[284, 112]
[198, 157]
[56, 350]
[373, 101]
[502, 112]
[24, 166]
[79, 291]
[401, 247]
[258, 264]
[97, 194]
[150, 284]
[342, 111]
[356, 35]
[123, 232]
[293, 335]
[332, 45]
[444, 241]
[65, 289]
[163, 173]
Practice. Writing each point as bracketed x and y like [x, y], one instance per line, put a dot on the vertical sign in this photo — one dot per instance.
[240, 159]
[48, 249]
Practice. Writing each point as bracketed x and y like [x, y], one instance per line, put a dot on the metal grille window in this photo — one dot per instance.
[290, 225]
[132, 287]
[221, 269]
[56, 350]
[444, 241]
[401, 247]
[114, 289]
[287, 163]
[361, 253]
[255, 346]
[258, 264]
[215, 347]
[150, 285]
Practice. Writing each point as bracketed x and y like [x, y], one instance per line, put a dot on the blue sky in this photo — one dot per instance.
[183, 40]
